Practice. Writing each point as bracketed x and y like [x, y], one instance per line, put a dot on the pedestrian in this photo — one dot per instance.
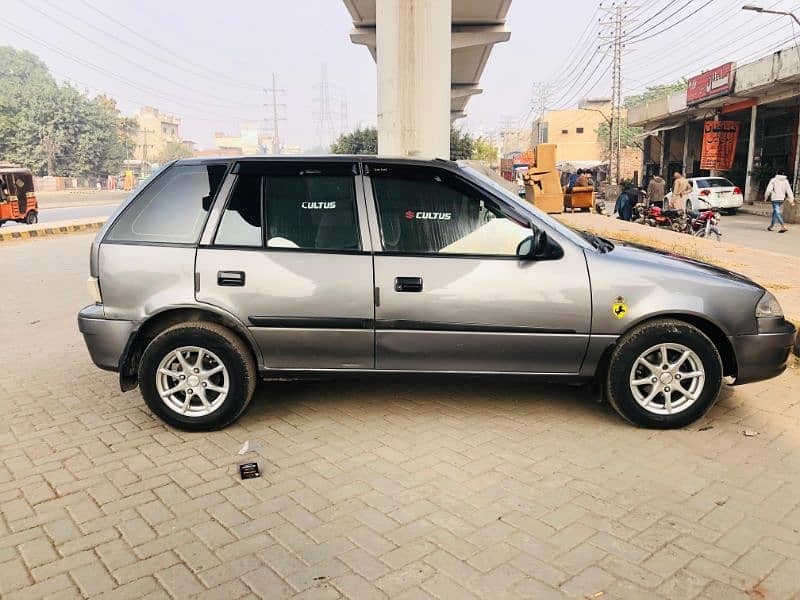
[656, 190]
[778, 191]
[624, 205]
[681, 188]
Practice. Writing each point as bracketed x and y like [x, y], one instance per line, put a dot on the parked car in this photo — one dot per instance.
[218, 272]
[712, 192]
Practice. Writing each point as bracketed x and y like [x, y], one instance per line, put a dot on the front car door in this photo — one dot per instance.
[291, 259]
[451, 293]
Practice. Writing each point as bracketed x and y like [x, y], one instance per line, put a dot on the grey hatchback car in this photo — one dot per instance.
[217, 272]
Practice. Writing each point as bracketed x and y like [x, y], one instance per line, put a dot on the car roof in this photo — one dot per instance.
[300, 158]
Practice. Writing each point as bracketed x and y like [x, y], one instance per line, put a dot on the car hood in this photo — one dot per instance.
[655, 257]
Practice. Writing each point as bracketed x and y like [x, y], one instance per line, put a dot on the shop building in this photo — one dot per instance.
[760, 101]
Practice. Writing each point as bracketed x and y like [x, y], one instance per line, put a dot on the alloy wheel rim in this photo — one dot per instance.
[192, 381]
[667, 379]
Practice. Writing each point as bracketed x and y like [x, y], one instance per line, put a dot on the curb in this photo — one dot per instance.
[49, 231]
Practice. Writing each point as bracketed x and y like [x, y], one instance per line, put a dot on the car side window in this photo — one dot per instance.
[311, 211]
[172, 208]
[431, 212]
[242, 219]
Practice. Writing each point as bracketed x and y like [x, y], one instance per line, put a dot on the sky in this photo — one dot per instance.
[210, 63]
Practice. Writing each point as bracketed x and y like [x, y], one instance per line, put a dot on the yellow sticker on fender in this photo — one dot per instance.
[620, 309]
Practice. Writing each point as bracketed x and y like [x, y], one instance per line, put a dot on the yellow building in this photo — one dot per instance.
[575, 131]
[156, 130]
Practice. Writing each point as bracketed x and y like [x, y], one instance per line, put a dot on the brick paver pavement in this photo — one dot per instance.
[402, 488]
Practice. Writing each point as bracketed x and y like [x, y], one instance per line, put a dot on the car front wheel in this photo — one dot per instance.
[664, 374]
[197, 376]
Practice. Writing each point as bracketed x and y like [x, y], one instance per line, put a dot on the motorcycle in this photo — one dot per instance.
[655, 216]
[705, 223]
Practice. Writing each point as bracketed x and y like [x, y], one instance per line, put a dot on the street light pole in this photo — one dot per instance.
[790, 213]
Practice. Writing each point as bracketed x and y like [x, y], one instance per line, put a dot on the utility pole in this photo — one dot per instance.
[616, 24]
[145, 146]
[541, 102]
[274, 90]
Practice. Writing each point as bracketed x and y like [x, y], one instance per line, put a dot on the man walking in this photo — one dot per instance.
[656, 190]
[681, 188]
[778, 191]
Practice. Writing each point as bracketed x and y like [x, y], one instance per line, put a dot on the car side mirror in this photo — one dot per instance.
[533, 246]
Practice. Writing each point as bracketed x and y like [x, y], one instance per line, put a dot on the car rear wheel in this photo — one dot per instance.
[664, 374]
[197, 376]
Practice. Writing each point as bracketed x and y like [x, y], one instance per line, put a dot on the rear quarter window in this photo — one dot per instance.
[172, 208]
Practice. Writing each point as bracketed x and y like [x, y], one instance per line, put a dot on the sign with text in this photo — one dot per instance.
[711, 84]
[719, 144]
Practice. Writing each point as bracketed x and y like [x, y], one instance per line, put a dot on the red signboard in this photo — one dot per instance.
[711, 84]
[719, 144]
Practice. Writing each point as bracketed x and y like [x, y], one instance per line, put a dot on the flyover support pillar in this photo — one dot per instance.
[413, 55]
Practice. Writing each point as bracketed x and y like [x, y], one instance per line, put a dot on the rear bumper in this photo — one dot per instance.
[764, 355]
[105, 338]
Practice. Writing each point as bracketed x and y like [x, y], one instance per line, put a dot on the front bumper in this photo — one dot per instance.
[105, 338]
[765, 354]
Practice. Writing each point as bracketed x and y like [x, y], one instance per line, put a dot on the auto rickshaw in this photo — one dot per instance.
[17, 197]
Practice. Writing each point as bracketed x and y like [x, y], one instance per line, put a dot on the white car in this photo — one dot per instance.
[712, 191]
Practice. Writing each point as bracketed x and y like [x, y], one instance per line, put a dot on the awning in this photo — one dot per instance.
[657, 130]
[570, 166]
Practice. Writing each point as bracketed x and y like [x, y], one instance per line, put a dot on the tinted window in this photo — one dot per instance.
[171, 208]
[437, 215]
[715, 182]
[241, 221]
[311, 211]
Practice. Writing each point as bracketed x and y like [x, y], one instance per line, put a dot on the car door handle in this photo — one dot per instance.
[230, 278]
[408, 284]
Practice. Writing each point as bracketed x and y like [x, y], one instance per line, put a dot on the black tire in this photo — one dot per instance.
[733, 211]
[31, 218]
[633, 344]
[232, 352]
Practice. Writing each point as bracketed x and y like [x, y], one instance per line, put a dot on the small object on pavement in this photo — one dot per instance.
[249, 470]
[248, 447]
[706, 428]
[750, 433]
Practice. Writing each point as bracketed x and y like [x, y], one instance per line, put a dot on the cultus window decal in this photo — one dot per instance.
[318, 205]
[427, 215]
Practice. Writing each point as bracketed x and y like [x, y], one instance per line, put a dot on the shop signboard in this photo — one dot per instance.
[711, 84]
[719, 144]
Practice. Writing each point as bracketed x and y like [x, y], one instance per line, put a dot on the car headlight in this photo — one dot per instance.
[768, 306]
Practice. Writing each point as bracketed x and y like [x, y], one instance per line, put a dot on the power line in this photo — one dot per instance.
[203, 74]
[204, 68]
[202, 92]
[276, 144]
[637, 39]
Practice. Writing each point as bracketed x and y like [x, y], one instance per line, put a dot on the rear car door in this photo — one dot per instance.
[291, 260]
[451, 293]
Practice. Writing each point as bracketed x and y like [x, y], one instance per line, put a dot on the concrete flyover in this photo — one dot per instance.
[432, 55]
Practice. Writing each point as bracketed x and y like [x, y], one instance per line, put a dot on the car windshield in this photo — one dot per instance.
[713, 182]
[517, 203]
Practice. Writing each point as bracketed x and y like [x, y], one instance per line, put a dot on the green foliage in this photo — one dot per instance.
[654, 92]
[360, 141]
[629, 139]
[54, 129]
[462, 145]
[484, 150]
[365, 141]
[173, 151]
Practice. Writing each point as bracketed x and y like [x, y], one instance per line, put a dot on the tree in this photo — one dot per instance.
[654, 92]
[484, 150]
[629, 136]
[173, 151]
[360, 141]
[54, 129]
[462, 145]
[365, 141]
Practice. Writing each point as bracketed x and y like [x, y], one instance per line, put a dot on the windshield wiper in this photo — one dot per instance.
[598, 242]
